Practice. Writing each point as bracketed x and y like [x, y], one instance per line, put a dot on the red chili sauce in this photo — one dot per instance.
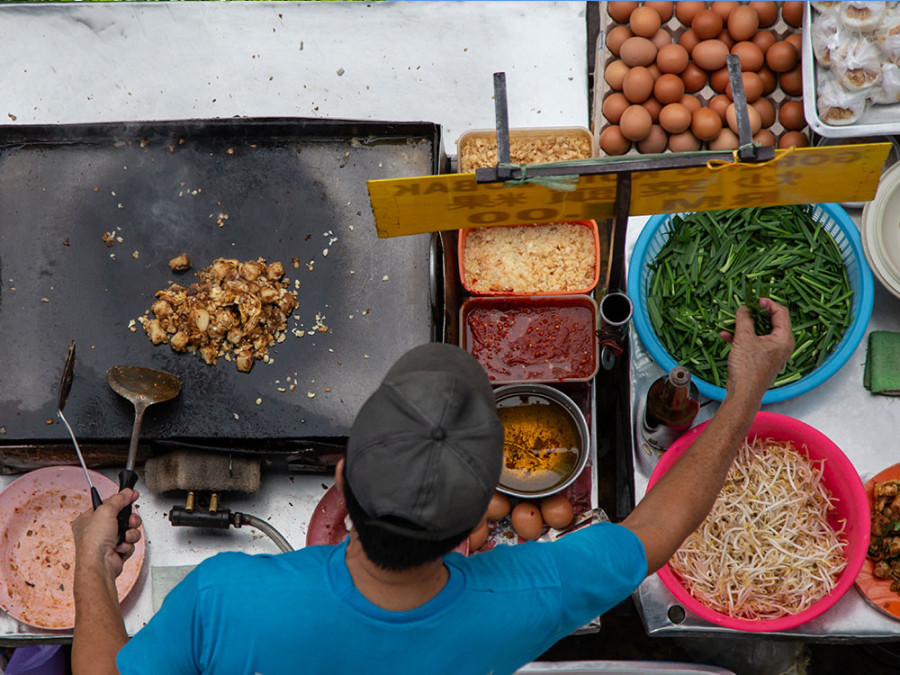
[541, 342]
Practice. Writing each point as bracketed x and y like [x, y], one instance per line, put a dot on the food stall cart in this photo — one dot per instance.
[225, 143]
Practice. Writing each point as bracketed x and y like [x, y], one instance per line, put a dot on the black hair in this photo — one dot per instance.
[390, 550]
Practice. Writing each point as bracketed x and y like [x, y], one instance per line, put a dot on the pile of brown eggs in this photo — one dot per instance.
[527, 518]
[668, 86]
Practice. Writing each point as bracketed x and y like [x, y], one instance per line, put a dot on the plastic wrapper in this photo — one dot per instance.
[827, 7]
[862, 16]
[836, 105]
[825, 34]
[889, 91]
[888, 38]
[856, 63]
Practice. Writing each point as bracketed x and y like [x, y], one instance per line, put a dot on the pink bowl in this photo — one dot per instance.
[839, 476]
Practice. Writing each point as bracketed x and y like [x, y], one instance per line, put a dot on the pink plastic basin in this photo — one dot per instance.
[838, 475]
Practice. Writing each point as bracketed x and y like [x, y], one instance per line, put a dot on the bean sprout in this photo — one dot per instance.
[767, 548]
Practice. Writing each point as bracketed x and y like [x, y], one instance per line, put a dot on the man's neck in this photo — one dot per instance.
[392, 590]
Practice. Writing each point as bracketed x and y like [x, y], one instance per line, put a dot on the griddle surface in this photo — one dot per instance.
[231, 188]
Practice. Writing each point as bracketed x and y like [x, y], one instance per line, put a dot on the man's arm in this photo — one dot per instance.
[676, 505]
[99, 628]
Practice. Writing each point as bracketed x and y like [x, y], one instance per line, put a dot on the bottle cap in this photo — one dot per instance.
[680, 376]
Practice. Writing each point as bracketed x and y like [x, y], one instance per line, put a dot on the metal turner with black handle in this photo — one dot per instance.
[65, 385]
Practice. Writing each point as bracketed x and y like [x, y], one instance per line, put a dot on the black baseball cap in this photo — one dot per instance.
[426, 449]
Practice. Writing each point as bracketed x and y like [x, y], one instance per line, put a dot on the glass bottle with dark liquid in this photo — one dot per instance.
[671, 406]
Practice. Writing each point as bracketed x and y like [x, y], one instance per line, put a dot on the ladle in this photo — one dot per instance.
[143, 387]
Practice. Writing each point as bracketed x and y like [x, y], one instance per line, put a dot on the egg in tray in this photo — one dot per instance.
[662, 83]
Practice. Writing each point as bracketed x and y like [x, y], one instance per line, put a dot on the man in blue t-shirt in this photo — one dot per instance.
[422, 461]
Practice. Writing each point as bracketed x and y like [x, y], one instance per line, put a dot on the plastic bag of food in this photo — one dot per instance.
[827, 7]
[862, 16]
[889, 91]
[836, 105]
[856, 62]
[888, 38]
[825, 33]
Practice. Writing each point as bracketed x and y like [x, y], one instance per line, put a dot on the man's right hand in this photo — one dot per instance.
[755, 360]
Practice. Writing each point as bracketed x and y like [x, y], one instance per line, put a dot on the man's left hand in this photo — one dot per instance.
[96, 533]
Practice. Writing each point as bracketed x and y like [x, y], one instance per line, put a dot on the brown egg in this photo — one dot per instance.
[615, 74]
[683, 142]
[691, 102]
[792, 13]
[620, 11]
[720, 103]
[726, 140]
[616, 36]
[753, 116]
[724, 8]
[753, 87]
[719, 80]
[652, 106]
[672, 59]
[638, 51]
[664, 9]
[656, 141]
[689, 40]
[725, 38]
[766, 111]
[654, 70]
[706, 124]
[644, 21]
[478, 536]
[638, 84]
[694, 78]
[791, 116]
[751, 57]
[685, 11]
[792, 81]
[764, 39]
[768, 79]
[743, 22]
[557, 511]
[709, 54]
[635, 123]
[661, 38]
[765, 137]
[612, 142]
[675, 118]
[527, 521]
[797, 40]
[613, 106]
[498, 507]
[668, 88]
[766, 11]
[793, 139]
[707, 24]
[781, 57]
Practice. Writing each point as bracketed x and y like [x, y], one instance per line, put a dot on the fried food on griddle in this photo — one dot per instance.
[180, 263]
[884, 545]
[236, 310]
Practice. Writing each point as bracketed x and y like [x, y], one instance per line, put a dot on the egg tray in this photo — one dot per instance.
[604, 57]
[881, 120]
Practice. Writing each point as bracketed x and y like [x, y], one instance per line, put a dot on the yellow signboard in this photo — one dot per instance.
[798, 176]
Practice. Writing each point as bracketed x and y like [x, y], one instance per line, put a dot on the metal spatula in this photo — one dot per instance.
[65, 385]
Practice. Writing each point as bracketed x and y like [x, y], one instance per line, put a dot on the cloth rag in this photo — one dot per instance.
[882, 370]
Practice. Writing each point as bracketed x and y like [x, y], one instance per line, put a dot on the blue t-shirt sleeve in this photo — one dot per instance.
[599, 567]
[170, 642]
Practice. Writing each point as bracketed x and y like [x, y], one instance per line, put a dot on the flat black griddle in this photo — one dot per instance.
[243, 188]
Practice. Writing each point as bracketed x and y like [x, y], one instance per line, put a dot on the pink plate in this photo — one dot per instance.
[328, 524]
[877, 592]
[37, 551]
[851, 506]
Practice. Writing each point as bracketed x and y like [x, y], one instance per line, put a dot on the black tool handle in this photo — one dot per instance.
[95, 498]
[127, 479]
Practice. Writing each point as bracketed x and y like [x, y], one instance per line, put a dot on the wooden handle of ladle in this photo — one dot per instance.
[127, 479]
